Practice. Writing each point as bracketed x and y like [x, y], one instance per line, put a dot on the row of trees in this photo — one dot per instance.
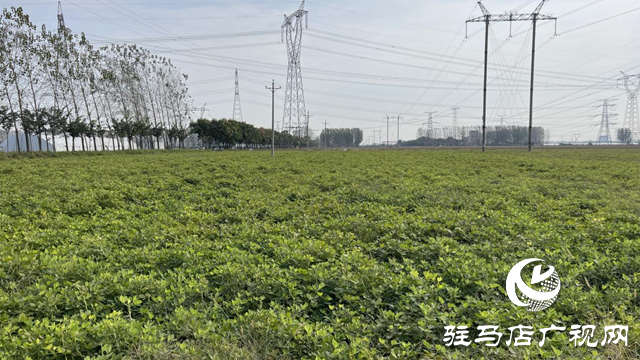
[229, 133]
[512, 135]
[58, 84]
[341, 137]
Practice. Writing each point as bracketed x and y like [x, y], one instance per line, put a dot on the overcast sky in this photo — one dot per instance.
[432, 68]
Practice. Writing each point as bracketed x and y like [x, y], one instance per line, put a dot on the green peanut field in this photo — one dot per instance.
[312, 255]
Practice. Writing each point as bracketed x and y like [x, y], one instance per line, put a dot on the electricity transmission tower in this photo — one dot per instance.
[61, 25]
[631, 117]
[294, 105]
[201, 109]
[502, 119]
[379, 132]
[237, 108]
[430, 133]
[604, 135]
[455, 111]
[487, 18]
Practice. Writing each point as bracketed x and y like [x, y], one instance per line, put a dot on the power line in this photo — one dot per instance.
[381, 18]
[600, 21]
[458, 61]
[175, 38]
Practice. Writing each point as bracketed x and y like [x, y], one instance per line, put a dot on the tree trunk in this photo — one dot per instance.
[15, 123]
[35, 110]
[26, 133]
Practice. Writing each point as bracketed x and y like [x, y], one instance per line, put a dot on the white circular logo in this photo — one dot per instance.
[548, 284]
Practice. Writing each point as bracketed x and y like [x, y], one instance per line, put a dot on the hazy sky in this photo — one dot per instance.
[354, 83]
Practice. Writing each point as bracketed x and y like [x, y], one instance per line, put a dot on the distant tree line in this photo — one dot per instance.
[225, 133]
[341, 137]
[515, 135]
[512, 135]
[626, 136]
[57, 84]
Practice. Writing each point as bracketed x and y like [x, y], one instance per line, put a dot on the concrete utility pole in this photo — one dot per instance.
[487, 19]
[308, 116]
[273, 90]
[387, 129]
[325, 134]
[398, 134]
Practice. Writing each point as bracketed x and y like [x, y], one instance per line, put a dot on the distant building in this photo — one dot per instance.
[9, 143]
[192, 142]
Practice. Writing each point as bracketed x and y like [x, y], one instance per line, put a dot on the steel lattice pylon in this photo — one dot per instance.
[632, 116]
[61, 25]
[294, 121]
[237, 108]
[604, 134]
[455, 110]
[430, 128]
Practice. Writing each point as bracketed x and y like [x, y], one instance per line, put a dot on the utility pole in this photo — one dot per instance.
[487, 19]
[487, 23]
[533, 74]
[308, 116]
[387, 129]
[325, 134]
[632, 117]
[455, 111]
[294, 104]
[273, 90]
[604, 135]
[398, 134]
[237, 108]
